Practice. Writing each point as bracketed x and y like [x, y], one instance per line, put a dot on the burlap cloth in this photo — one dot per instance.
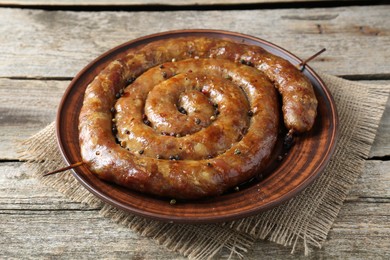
[302, 222]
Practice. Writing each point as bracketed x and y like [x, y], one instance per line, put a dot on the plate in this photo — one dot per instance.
[299, 167]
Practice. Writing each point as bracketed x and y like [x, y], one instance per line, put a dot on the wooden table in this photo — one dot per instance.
[43, 47]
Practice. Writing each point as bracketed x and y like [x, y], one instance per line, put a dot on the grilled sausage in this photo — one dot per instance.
[193, 116]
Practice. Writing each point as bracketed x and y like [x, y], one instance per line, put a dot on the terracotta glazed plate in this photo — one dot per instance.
[286, 178]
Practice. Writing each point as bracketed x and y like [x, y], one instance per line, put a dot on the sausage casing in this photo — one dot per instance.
[190, 117]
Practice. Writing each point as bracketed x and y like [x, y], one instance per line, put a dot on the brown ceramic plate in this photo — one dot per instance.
[285, 179]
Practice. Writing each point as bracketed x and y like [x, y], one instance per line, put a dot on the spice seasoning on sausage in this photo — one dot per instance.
[182, 110]
[197, 122]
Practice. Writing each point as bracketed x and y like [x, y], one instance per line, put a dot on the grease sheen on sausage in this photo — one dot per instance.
[197, 116]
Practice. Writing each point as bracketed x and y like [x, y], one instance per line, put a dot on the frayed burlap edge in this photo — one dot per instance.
[304, 220]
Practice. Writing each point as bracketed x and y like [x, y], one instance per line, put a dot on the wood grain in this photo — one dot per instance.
[25, 107]
[381, 146]
[41, 51]
[146, 2]
[28, 209]
[61, 43]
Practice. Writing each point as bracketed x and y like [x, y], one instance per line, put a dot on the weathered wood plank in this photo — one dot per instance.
[73, 235]
[38, 222]
[19, 190]
[26, 106]
[373, 184]
[381, 146]
[38, 43]
[146, 2]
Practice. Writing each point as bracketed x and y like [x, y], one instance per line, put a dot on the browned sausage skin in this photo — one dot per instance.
[195, 116]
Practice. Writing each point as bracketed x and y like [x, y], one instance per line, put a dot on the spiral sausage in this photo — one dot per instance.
[193, 116]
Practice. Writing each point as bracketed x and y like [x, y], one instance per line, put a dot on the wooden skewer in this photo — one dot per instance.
[303, 63]
[74, 165]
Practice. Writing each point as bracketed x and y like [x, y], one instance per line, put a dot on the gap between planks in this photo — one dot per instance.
[180, 5]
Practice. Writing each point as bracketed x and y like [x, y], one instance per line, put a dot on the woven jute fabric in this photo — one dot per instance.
[302, 222]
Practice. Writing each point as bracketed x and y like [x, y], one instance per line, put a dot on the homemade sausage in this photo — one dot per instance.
[190, 117]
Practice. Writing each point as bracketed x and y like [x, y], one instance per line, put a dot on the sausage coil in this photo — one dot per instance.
[190, 117]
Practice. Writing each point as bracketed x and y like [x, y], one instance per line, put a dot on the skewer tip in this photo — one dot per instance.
[302, 65]
[74, 165]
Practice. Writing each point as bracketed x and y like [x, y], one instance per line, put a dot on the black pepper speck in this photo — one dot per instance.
[182, 110]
